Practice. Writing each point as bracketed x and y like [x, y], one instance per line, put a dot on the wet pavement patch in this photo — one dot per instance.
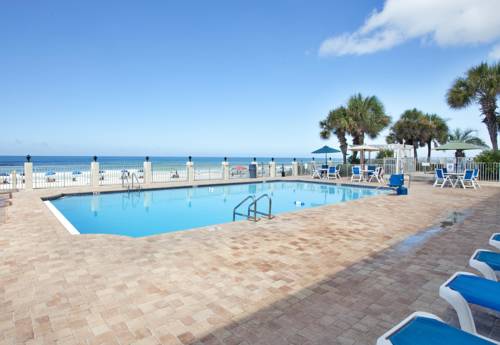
[419, 239]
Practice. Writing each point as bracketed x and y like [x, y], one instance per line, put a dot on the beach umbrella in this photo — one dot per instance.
[76, 172]
[362, 149]
[50, 173]
[240, 168]
[326, 150]
[459, 146]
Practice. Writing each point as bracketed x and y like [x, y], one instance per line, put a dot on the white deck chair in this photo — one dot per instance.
[441, 179]
[378, 175]
[356, 174]
[495, 240]
[487, 262]
[428, 329]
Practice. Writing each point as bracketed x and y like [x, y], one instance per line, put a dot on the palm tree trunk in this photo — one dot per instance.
[415, 152]
[343, 145]
[488, 108]
[429, 149]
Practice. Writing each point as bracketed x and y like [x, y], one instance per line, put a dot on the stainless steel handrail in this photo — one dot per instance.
[255, 211]
[241, 203]
[134, 175]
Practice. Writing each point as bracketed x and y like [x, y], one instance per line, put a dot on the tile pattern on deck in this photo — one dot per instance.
[329, 275]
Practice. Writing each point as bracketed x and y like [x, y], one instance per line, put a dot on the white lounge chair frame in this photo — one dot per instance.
[384, 339]
[316, 173]
[378, 175]
[458, 303]
[335, 175]
[483, 267]
[466, 183]
[441, 182]
[494, 242]
[356, 178]
[475, 178]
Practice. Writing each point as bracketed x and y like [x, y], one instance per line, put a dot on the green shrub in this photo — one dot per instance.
[385, 154]
[488, 157]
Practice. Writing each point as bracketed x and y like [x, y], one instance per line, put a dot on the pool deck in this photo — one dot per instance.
[336, 274]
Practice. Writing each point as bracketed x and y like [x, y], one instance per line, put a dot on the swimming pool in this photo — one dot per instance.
[151, 212]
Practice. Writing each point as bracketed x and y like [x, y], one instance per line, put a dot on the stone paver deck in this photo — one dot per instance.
[338, 274]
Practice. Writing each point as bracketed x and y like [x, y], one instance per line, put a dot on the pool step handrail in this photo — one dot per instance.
[252, 208]
[235, 209]
[134, 176]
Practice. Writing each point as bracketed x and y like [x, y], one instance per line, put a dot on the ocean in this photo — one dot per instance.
[121, 161]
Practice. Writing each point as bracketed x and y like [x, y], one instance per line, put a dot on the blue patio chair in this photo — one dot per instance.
[356, 174]
[423, 328]
[464, 288]
[475, 177]
[487, 262]
[467, 179]
[333, 173]
[441, 179]
[371, 170]
[495, 240]
[445, 170]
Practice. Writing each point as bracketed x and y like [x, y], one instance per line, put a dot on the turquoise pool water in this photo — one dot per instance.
[151, 212]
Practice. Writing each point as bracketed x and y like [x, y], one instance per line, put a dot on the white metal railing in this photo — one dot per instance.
[207, 173]
[165, 173]
[111, 174]
[61, 176]
[11, 178]
[238, 171]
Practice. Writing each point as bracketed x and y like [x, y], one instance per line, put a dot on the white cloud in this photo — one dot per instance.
[445, 22]
[495, 52]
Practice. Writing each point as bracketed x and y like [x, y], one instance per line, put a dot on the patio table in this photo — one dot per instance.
[453, 177]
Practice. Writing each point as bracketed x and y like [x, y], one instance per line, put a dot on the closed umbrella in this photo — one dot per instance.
[326, 150]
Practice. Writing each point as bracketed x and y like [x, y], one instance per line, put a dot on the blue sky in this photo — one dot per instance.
[220, 77]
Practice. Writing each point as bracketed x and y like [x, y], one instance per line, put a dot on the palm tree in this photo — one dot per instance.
[465, 136]
[368, 116]
[362, 115]
[412, 128]
[438, 132]
[338, 123]
[481, 84]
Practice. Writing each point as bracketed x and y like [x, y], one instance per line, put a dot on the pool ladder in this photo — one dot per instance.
[130, 183]
[252, 211]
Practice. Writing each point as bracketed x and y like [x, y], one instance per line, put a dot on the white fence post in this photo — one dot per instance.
[225, 169]
[295, 168]
[190, 170]
[28, 175]
[148, 172]
[272, 168]
[94, 173]
[13, 179]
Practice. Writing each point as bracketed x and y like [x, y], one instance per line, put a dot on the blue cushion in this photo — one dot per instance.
[426, 331]
[497, 237]
[477, 290]
[490, 258]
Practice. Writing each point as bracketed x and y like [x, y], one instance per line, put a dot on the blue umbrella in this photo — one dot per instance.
[77, 172]
[50, 173]
[326, 150]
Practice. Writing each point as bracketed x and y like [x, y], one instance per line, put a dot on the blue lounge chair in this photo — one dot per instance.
[441, 179]
[495, 240]
[475, 177]
[356, 174]
[487, 262]
[333, 173]
[467, 180]
[427, 329]
[464, 288]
